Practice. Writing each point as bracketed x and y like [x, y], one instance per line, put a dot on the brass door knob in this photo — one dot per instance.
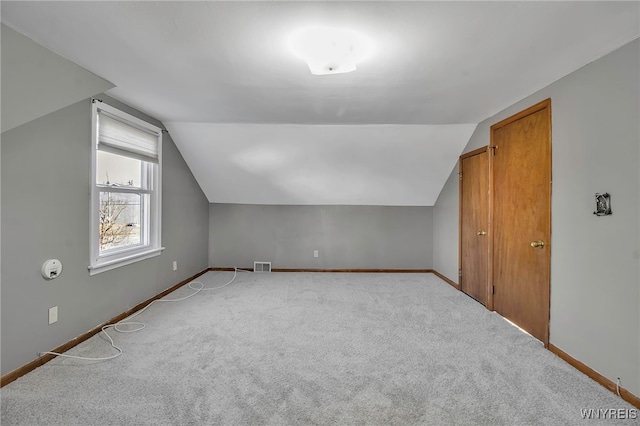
[537, 244]
[481, 233]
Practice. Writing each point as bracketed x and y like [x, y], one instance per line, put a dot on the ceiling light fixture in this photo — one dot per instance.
[330, 50]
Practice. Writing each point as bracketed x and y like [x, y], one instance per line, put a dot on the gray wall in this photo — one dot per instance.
[595, 271]
[45, 214]
[347, 237]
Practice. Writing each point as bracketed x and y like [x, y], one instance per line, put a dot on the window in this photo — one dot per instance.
[125, 189]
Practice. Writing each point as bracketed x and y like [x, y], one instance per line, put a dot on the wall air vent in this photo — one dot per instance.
[261, 266]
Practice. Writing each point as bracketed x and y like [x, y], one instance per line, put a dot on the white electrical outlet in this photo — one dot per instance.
[53, 315]
[315, 253]
[175, 265]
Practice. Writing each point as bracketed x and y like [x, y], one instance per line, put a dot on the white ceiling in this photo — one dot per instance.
[256, 127]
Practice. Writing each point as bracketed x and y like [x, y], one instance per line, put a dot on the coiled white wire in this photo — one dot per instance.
[137, 326]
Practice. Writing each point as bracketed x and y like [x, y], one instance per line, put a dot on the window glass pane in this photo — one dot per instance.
[117, 170]
[120, 220]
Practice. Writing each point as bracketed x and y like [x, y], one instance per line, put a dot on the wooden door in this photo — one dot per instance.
[521, 218]
[474, 224]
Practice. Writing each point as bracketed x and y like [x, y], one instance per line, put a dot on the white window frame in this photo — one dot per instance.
[151, 211]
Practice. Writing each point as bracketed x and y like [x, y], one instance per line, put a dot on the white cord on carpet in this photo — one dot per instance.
[140, 325]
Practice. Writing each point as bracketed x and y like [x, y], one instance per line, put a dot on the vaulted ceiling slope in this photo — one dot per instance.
[256, 127]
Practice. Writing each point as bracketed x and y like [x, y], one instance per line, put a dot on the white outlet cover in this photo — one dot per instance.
[53, 315]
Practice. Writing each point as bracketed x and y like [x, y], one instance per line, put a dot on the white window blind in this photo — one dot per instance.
[123, 138]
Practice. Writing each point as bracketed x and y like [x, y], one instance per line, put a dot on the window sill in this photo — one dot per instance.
[104, 266]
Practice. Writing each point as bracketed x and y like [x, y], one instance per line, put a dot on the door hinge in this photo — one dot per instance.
[494, 148]
[460, 175]
[459, 272]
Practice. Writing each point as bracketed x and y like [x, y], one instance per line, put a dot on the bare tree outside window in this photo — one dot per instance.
[119, 220]
[110, 232]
